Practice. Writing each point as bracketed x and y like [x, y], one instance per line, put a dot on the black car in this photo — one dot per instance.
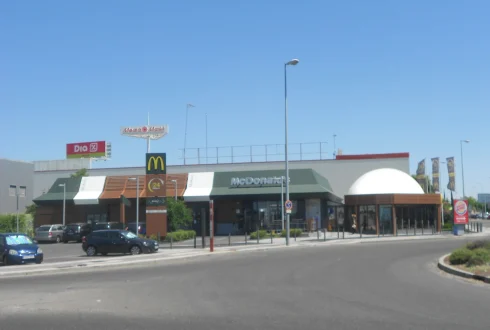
[131, 226]
[75, 232]
[107, 225]
[116, 241]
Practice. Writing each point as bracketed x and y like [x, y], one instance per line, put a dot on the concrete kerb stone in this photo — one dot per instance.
[459, 272]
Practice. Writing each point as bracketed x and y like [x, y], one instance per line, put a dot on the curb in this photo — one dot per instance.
[458, 272]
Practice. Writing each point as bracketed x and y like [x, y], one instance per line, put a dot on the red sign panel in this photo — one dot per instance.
[460, 212]
[86, 149]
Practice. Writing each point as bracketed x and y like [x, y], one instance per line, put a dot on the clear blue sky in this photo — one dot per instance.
[385, 76]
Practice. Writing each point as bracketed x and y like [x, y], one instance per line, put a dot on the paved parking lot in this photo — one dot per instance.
[54, 252]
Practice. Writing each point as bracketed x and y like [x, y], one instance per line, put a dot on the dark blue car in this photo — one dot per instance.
[19, 249]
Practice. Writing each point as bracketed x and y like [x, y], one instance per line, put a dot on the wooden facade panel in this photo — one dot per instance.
[114, 187]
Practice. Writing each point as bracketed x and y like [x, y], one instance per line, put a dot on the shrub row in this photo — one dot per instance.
[475, 253]
[293, 232]
[8, 224]
[262, 234]
[180, 235]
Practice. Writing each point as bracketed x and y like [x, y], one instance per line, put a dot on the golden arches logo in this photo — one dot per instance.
[155, 161]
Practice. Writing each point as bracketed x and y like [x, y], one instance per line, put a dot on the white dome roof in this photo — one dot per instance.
[385, 181]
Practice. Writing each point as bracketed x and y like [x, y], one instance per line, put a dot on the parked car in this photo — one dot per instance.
[107, 225]
[49, 233]
[19, 249]
[75, 232]
[131, 226]
[116, 241]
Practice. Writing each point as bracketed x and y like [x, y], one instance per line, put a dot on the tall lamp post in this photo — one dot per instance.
[292, 62]
[137, 179]
[175, 185]
[462, 166]
[188, 105]
[64, 201]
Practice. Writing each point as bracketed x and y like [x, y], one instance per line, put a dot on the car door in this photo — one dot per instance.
[102, 241]
[2, 248]
[119, 242]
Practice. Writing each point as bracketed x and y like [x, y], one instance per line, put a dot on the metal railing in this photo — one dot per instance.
[255, 153]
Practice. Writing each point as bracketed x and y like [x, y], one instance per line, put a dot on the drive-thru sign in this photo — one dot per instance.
[289, 206]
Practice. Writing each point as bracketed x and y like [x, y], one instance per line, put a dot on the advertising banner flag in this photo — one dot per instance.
[420, 176]
[460, 212]
[435, 174]
[450, 169]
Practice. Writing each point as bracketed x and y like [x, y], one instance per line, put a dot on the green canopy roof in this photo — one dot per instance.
[239, 183]
[55, 193]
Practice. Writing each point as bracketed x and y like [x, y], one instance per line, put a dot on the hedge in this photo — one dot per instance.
[262, 234]
[475, 253]
[180, 235]
[8, 224]
[293, 232]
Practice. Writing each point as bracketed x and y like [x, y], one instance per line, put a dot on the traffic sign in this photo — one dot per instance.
[289, 206]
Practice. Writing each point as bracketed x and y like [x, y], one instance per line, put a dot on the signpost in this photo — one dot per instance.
[460, 216]
[289, 206]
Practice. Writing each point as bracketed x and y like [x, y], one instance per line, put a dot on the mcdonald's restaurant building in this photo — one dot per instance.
[244, 199]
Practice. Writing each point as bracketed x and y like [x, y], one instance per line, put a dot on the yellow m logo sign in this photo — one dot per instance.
[156, 164]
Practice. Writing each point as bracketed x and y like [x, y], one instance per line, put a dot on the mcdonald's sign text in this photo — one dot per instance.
[156, 163]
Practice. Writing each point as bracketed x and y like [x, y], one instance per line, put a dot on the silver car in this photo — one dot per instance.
[49, 233]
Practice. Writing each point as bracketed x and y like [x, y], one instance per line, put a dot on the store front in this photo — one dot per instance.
[247, 200]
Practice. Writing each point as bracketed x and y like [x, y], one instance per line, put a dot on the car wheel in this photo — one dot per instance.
[58, 239]
[104, 253]
[65, 242]
[91, 251]
[38, 262]
[135, 249]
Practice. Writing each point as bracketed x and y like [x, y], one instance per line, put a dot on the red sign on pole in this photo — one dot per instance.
[95, 149]
[460, 212]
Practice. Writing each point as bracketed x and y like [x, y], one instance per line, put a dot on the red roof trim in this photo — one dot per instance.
[373, 156]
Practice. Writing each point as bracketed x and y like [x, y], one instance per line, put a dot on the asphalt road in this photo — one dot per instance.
[388, 285]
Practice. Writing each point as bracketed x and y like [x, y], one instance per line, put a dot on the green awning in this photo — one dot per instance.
[239, 183]
[55, 193]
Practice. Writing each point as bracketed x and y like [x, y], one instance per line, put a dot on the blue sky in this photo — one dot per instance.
[385, 76]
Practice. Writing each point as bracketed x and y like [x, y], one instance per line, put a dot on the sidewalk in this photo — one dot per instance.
[184, 253]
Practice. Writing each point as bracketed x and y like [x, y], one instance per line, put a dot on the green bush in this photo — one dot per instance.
[293, 232]
[482, 253]
[448, 226]
[460, 256]
[180, 235]
[154, 237]
[8, 223]
[476, 261]
[262, 234]
[478, 245]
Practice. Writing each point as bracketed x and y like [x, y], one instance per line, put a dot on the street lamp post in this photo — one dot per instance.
[462, 168]
[64, 201]
[17, 199]
[188, 105]
[175, 185]
[292, 62]
[137, 179]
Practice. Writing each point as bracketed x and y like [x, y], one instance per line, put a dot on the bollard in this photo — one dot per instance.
[343, 232]
[229, 239]
[408, 226]
[481, 227]
[422, 227]
[258, 238]
[295, 235]
[338, 232]
[415, 228]
[195, 241]
[245, 238]
[325, 234]
[171, 240]
[158, 237]
[318, 234]
[272, 238]
[383, 227]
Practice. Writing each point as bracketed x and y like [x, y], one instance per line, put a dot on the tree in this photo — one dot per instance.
[475, 205]
[31, 209]
[179, 215]
[79, 173]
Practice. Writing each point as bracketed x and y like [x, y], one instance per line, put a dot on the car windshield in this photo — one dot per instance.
[72, 227]
[44, 228]
[18, 239]
[128, 234]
